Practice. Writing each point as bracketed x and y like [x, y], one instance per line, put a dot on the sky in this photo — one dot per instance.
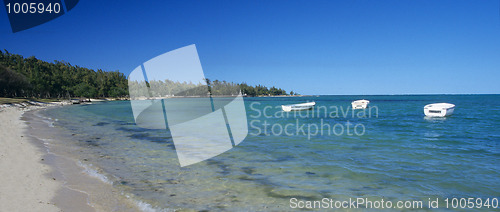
[353, 47]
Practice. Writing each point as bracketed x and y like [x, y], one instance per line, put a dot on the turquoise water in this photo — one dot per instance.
[390, 151]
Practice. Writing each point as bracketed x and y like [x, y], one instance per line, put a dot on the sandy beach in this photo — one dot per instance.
[37, 178]
[26, 183]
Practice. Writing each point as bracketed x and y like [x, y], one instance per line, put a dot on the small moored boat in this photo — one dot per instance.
[439, 109]
[360, 104]
[302, 106]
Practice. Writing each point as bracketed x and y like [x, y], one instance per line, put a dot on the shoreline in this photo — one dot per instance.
[43, 177]
[27, 182]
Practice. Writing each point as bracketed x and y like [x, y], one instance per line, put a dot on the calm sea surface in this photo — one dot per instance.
[389, 151]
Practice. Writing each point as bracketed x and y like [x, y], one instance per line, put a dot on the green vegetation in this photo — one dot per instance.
[259, 90]
[11, 100]
[33, 78]
[215, 88]
[156, 88]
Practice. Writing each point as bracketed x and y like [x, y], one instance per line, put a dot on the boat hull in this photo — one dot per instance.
[355, 107]
[439, 110]
[360, 104]
[297, 107]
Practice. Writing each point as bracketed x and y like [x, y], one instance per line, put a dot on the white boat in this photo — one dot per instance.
[360, 104]
[439, 109]
[302, 106]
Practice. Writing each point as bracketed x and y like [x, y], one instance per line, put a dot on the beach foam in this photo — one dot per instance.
[93, 172]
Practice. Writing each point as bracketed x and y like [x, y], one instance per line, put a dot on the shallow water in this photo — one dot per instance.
[392, 152]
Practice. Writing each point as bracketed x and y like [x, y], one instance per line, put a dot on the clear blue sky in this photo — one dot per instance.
[312, 47]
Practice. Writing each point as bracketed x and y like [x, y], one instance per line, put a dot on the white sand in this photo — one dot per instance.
[25, 183]
[28, 183]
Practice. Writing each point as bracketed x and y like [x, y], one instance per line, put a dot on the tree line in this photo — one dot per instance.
[228, 88]
[166, 88]
[34, 78]
[169, 88]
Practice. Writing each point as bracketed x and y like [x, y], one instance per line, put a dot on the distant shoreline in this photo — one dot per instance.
[31, 101]
[305, 95]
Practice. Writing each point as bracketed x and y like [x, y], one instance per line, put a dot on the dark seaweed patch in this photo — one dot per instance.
[225, 170]
[132, 129]
[139, 136]
[101, 124]
[248, 170]
[147, 137]
[160, 139]
[127, 123]
[246, 178]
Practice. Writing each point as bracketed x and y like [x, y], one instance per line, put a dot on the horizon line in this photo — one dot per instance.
[416, 94]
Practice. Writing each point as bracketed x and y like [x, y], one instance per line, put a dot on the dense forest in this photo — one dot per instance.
[167, 88]
[34, 78]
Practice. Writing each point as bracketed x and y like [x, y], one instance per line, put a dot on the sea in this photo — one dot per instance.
[324, 158]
